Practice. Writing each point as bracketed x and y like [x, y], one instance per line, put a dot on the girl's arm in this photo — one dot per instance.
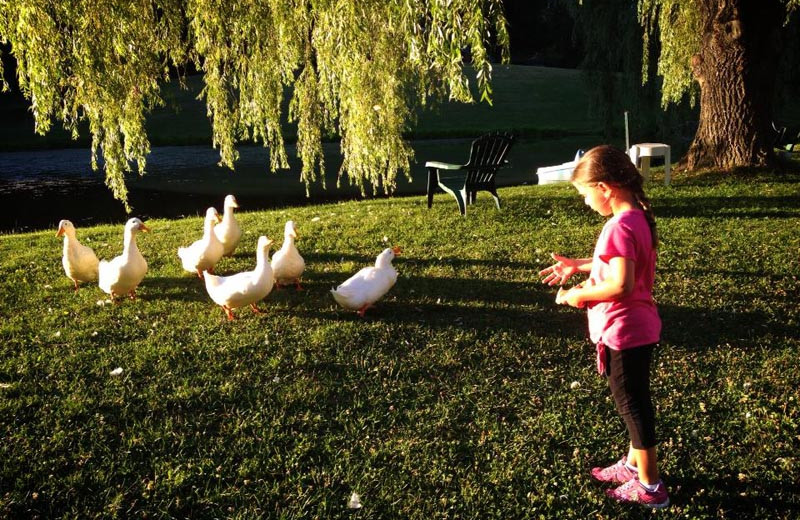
[618, 283]
[559, 272]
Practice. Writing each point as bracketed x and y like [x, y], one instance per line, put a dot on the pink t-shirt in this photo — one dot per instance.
[633, 320]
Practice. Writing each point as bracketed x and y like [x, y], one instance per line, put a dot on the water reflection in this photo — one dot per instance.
[39, 188]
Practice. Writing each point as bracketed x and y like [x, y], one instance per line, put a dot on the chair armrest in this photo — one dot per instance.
[443, 166]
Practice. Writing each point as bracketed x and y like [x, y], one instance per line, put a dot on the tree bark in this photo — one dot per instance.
[736, 69]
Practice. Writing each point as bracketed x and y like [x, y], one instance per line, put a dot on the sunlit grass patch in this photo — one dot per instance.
[453, 398]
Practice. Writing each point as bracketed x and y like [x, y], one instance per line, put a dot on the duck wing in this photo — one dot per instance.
[229, 233]
[287, 264]
[202, 254]
[354, 292]
[381, 281]
[109, 273]
[233, 291]
[80, 262]
[190, 254]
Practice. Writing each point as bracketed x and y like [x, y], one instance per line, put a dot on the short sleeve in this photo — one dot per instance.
[618, 240]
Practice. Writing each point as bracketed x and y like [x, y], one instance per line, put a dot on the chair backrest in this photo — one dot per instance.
[488, 153]
[780, 134]
[785, 135]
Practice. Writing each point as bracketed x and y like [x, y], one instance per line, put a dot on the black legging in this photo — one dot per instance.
[629, 379]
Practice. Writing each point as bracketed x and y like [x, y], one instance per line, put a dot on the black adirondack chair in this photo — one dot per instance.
[786, 138]
[463, 181]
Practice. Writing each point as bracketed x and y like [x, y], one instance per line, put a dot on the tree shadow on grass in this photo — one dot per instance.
[179, 289]
[489, 292]
[744, 175]
[486, 291]
[479, 303]
[732, 498]
[744, 276]
[758, 206]
[413, 288]
[445, 302]
[242, 254]
[312, 258]
[529, 307]
[694, 328]
[543, 322]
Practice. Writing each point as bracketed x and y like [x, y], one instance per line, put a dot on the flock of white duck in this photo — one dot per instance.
[123, 274]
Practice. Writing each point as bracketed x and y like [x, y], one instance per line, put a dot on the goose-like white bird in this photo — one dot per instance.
[79, 261]
[124, 273]
[370, 284]
[246, 288]
[203, 254]
[228, 231]
[287, 264]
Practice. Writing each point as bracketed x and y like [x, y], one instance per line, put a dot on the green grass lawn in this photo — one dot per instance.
[451, 399]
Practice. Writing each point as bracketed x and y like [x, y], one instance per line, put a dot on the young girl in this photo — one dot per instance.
[623, 320]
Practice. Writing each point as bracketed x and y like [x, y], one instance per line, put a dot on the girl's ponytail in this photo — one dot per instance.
[647, 207]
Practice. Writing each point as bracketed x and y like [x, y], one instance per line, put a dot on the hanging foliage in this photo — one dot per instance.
[353, 68]
[680, 30]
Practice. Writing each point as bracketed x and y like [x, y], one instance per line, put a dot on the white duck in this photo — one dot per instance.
[228, 231]
[368, 285]
[124, 273]
[79, 261]
[246, 288]
[287, 264]
[203, 254]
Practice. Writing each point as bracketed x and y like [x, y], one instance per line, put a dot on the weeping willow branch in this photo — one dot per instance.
[354, 68]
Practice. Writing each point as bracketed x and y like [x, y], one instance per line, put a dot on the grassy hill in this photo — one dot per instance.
[453, 398]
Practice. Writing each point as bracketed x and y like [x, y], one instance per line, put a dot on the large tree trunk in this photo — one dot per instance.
[736, 69]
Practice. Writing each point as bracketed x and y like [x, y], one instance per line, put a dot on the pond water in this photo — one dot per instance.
[39, 188]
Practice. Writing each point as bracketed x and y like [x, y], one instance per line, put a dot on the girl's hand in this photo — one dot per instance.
[559, 272]
[570, 297]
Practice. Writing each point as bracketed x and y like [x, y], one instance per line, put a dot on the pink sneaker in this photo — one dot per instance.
[633, 492]
[615, 474]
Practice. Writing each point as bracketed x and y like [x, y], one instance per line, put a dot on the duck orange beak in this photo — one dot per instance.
[144, 228]
[397, 250]
[60, 231]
